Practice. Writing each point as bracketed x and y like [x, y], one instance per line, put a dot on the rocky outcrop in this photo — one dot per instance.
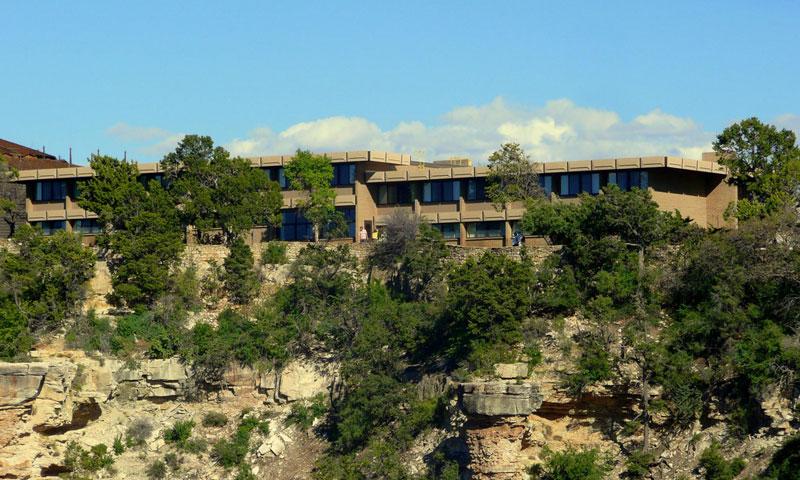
[20, 382]
[500, 398]
[300, 380]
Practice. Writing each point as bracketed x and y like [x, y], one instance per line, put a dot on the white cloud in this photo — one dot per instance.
[557, 130]
[790, 121]
[145, 141]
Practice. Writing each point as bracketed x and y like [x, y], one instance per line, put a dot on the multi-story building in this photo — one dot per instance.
[450, 195]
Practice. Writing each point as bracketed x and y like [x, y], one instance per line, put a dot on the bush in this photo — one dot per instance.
[81, 462]
[715, 465]
[785, 463]
[215, 419]
[245, 473]
[15, 338]
[241, 281]
[119, 445]
[637, 465]
[305, 412]
[138, 432]
[274, 253]
[179, 433]
[593, 366]
[230, 453]
[156, 470]
[572, 464]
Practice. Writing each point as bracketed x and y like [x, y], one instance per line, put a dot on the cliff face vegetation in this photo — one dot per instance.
[641, 346]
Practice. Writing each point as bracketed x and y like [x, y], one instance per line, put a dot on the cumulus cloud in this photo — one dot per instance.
[145, 141]
[790, 121]
[557, 130]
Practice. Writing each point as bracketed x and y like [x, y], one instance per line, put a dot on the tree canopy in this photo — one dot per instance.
[313, 174]
[764, 163]
[215, 190]
[512, 176]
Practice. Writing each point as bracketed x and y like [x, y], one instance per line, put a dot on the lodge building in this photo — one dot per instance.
[449, 194]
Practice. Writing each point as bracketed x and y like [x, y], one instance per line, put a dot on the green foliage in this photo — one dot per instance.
[119, 445]
[81, 462]
[46, 280]
[179, 433]
[412, 254]
[764, 163]
[274, 253]
[15, 338]
[245, 473]
[313, 174]
[304, 413]
[142, 231]
[512, 176]
[134, 333]
[637, 465]
[9, 210]
[215, 419]
[231, 453]
[217, 191]
[488, 299]
[717, 467]
[785, 463]
[593, 366]
[237, 339]
[156, 470]
[572, 464]
[241, 280]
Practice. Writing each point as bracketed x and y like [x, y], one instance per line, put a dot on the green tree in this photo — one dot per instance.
[512, 176]
[241, 280]
[46, 279]
[142, 232]
[572, 464]
[764, 163]
[9, 190]
[313, 174]
[215, 190]
[487, 300]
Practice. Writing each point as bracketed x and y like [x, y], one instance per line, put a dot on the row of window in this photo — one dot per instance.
[85, 227]
[437, 191]
[452, 231]
[294, 226]
[343, 175]
[572, 184]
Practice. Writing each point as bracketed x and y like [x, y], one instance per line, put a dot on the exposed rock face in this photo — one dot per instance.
[301, 380]
[500, 399]
[20, 382]
[511, 371]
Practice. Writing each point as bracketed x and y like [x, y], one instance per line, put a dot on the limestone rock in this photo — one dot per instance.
[510, 371]
[500, 399]
[301, 380]
[20, 382]
[168, 370]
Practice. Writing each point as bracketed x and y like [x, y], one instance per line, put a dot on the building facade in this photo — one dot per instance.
[370, 185]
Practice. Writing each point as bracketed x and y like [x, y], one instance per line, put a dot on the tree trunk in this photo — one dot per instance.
[316, 233]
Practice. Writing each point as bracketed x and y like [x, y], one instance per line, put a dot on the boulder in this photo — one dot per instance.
[301, 380]
[20, 382]
[500, 399]
[168, 370]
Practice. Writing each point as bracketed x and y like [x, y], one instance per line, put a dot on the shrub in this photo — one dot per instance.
[179, 433]
[82, 462]
[305, 412]
[138, 432]
[274, 253]
[215, 419]
[593, 366]
[637, 465]
[90, 333]
[156, 470]
[715, 465]
[785, 463]
[245, 473]
[196, 445]
[119, 445]
[572, 464]
[241, 281]
[230, 453]
[15, 339]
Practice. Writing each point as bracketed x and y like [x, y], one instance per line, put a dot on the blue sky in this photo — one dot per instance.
[566, 79]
